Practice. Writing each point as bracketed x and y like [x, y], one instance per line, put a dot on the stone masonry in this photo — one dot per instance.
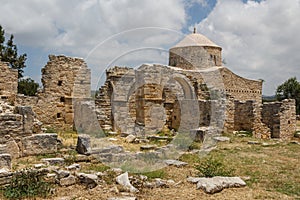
[64, 79]
[8, 82]
[194, 91]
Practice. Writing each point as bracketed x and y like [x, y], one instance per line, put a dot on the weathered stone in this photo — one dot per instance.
[176, 163]
[11, 147]
[122, 198]
[5, 161]
[74, 166]
[130, 138]
[53, 161]
[254, 142]
[62, 174]
[68, 181]
[222, 139]
[123, 180]
[5, 177]
[83, 144]
[39, 166]
[90, 180]
[110, 149]
[148, 147]
[297, 134]
[217, 184]
[39, 144]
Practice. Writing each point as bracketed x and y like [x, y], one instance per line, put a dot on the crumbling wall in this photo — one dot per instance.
[64, 80]
[16, 124]
[8, 82]
[280, 117]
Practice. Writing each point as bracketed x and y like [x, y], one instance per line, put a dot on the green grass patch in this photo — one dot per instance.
[27, 184]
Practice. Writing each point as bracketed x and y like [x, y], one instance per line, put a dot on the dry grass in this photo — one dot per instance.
[273, 172]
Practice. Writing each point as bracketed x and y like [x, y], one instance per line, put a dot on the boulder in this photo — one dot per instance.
[175, 163]
[222, 139]
[83, 144]
[68, 181]
[123, 180]
[39, 144]
[53, 161]
[130, 138]
[89, 180]
[217, 184]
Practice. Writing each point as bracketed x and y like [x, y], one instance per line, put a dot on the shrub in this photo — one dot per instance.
[211, 167]
[27, 184]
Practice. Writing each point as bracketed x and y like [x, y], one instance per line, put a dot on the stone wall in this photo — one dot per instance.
[8, 82]
[21, 134]
[195, 57]
[64, 80]
[280, 117]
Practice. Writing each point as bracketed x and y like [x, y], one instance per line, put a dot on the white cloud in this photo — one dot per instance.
[76, 27]
[259, 40]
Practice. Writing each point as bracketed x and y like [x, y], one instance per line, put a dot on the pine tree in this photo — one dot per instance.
[9, 53]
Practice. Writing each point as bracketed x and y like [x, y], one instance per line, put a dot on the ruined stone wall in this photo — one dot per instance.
[16, 123]
[244, 115]
[195, 57]
[239, 88]
[64, 79]
[280, 117]
[8, 82]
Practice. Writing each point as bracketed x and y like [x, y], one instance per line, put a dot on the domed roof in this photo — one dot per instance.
[196, 39]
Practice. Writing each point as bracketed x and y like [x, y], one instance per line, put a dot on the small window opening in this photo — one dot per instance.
[62, 99]
[59, 83]
[58, 115]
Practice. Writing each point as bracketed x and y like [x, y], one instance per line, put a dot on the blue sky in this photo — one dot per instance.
[259, 38]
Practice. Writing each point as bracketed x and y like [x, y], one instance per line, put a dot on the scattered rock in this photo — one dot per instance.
[62, 174]
[297, 135]
[5, 177]
[159, 183]
[83, 144]
[113, 139]
[122, 198]
[295, 142]
[123, 180]
[110, 149]
[53, 161]
[112, 133]
[254, 142]
[217, 184]
[68, 181]
[39, 166]
[193, 179]
[148, 147]
[90, 180]
[175, 163]
[124, 134]
[222, 139]
[74, 166]
[5, 161]
[130, 138]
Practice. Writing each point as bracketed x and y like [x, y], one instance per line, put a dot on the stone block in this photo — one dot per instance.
[39, 144]
[5, 161]
[83, 144]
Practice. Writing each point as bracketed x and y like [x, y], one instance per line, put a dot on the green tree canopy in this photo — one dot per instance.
[28, 87]
[9, 53]
[290, 89]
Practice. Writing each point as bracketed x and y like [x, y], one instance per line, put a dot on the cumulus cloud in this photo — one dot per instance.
[259, 39]
[76, 27]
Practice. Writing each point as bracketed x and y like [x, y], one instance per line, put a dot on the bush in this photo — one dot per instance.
[27, 184]
[211, 167]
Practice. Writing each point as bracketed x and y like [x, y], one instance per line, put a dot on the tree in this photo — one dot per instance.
[290, 89]
[9, 53]
[28, 87]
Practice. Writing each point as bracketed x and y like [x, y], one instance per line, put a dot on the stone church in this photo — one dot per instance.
[194, 91]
